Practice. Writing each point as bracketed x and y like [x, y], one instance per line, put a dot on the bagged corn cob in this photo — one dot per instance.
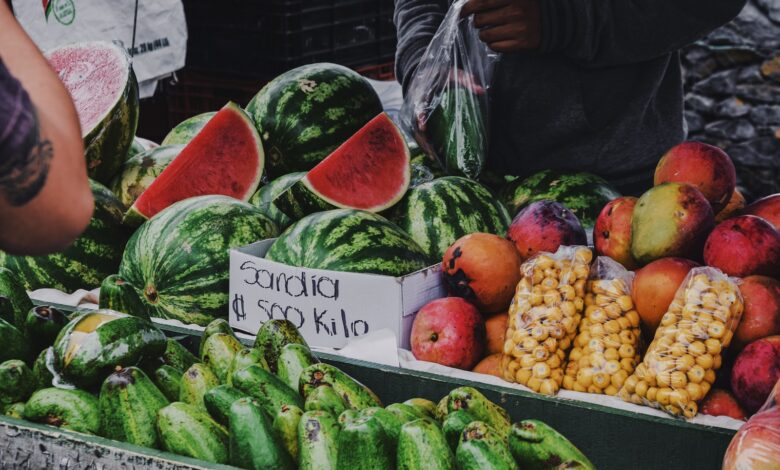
[544, 316]
[679, 366]
[606, 349]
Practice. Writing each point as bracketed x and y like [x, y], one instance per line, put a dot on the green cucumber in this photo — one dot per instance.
[13, 341]
[168, 380]
[75, 410]
[453, 426]
[324, 398]
[293, 358]
[253, 444]
[268, 389]
[220, 325]
[129, 402]
[195, 382]
[218, 401]
[218, 353]
[286, 428]
[17, 382]
[422, 446]
[356, 395]
[537, 446]
[177, 356]
[482, 448]
[477, 405]
[273, 336]
[318, 441]
[15, 410]
[245, 358]
[365, 444]
[190, 431]
[43, 324]
[423, 405]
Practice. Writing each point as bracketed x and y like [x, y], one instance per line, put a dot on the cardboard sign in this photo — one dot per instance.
[328, 307]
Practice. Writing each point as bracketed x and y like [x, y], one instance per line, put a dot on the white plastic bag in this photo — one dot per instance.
[446, 105]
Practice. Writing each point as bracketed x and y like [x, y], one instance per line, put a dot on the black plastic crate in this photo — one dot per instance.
[262, 38]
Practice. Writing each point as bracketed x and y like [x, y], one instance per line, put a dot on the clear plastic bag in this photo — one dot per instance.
[680, 364]
[606, 349]
[446, 105]
[757, 443]
[544, 316]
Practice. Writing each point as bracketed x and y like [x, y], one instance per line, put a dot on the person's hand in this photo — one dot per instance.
[506, 25]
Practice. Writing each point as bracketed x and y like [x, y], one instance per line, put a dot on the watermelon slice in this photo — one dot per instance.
[226, 157]
[370, 171]
[100, 79]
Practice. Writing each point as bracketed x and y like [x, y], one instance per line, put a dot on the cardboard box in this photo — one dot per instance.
[328, 307]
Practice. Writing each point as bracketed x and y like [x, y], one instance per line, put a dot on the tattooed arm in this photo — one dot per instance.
[45, 200]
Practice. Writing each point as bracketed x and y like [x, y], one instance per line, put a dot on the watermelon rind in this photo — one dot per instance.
[348, 240]
[265, 197]
[178, 260]
[138, 172]
[90, 259]
[108, 139]
[306, 113]
[135, 217]
[183, 132]
[437, 213]
[585, 194]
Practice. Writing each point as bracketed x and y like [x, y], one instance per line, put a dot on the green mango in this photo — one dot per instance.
[348, 416]
[220, 325]
[43, 376]
[324, 398]
[43, 324]
[318, 441]
[453, 426]
[406, 413]
[537, 446]
[293, 358]
[14, 301]
[442, 408]
[119, 296]
[273, 336]
[245, 358]
[17, 382]
[389, 421]
[356, 395]
[129, 402]
[268, 389]
[422, 446]
[218, 353]
[168, 380]
[190, 431]
[195, 382]
[253, 444]
[286, 428]
[477, 405]
[13, 341]
[425, 406]
[365, 444]
[218, 401]
[15, 410]
[177, 356]
[75, 410]
[482, 448]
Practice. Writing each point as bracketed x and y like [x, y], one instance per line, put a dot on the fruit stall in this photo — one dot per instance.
[306, 279]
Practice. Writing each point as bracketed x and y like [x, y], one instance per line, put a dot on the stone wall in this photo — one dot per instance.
[733, 94]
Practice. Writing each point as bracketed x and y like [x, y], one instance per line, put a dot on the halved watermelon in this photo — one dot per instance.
[100, 79]
[226, 157]
[370, 171]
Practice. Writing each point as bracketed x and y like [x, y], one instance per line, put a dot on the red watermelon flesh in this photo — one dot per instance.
[226, 157]
[370, 171]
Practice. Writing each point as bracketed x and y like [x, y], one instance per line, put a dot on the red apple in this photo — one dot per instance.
[721, 402]
[761, 317]
[743, 246]
[767, 208]
[612, 232]
[449, 332]
[755, 372]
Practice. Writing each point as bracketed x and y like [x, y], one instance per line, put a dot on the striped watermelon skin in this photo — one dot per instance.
[119, 296]
[584, 194]
[138, 172]
[307, 112]
[92, 257]
[348, 240]
[178, 260]
[438, 213]
[265, 198]
[183, 133]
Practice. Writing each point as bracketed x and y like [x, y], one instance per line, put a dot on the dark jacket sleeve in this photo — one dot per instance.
[416, 21]
[614, 32]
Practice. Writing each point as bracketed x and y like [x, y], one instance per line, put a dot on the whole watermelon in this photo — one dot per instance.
[264, 198]
[584, 194]
[305, 113]
[348, 240]
[93, 256]
[183, 133]
[138, 172]
[178, 260]
[441, 211]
